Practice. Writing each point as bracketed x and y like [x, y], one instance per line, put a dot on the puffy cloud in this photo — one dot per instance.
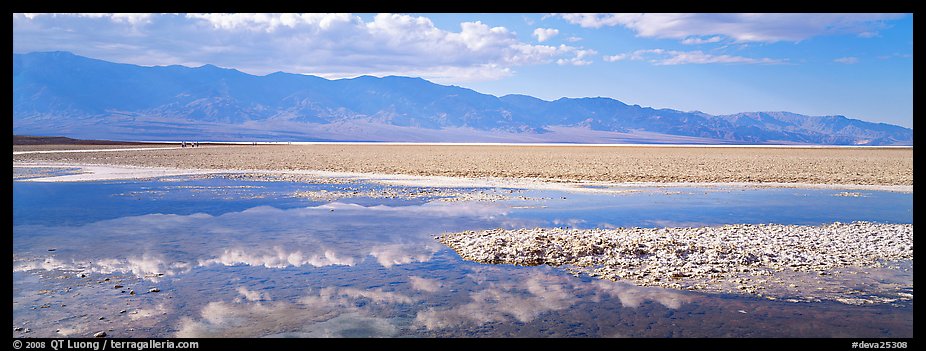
[271, 22]
[742, 27]
[674, 57]
[615, 58]
[581, 57]
[544, 34]
[596, 20]
[328, 45]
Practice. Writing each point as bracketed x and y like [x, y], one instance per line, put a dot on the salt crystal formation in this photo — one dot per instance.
[700, 258]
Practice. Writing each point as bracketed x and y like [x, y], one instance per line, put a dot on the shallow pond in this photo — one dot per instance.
[184, 257]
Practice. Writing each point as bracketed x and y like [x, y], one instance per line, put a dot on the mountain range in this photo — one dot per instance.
[59, 93]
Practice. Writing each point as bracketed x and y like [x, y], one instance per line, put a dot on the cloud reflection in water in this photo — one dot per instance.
[425, 284]
[276, 257]
[331, 234]
[535, 295]
[331, 312]
[503, 296]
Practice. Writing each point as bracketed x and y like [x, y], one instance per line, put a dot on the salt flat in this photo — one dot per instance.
[363, 226]
[559, 164]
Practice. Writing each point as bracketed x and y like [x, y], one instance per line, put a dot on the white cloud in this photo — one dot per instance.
[847, 60]
[328, 45]
[698, 57]
[742, 27]
[595, 20]
[130, 18]
[544, 34]
[615, 58]
[674, 57]
[270, 22]
[580, 58]
[697, 41]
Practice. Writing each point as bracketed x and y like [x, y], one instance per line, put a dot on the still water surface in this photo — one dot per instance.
[217, 257]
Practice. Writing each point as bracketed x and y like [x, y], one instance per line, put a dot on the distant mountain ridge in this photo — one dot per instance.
[59, 93]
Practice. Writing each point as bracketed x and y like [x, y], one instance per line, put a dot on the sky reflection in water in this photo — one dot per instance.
[237, 258]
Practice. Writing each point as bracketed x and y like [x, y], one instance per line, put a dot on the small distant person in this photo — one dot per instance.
[182, 144]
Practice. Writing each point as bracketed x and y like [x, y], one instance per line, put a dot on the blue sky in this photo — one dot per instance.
[857, 65]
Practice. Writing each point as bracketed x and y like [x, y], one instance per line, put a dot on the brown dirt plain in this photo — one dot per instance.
[869, 166]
